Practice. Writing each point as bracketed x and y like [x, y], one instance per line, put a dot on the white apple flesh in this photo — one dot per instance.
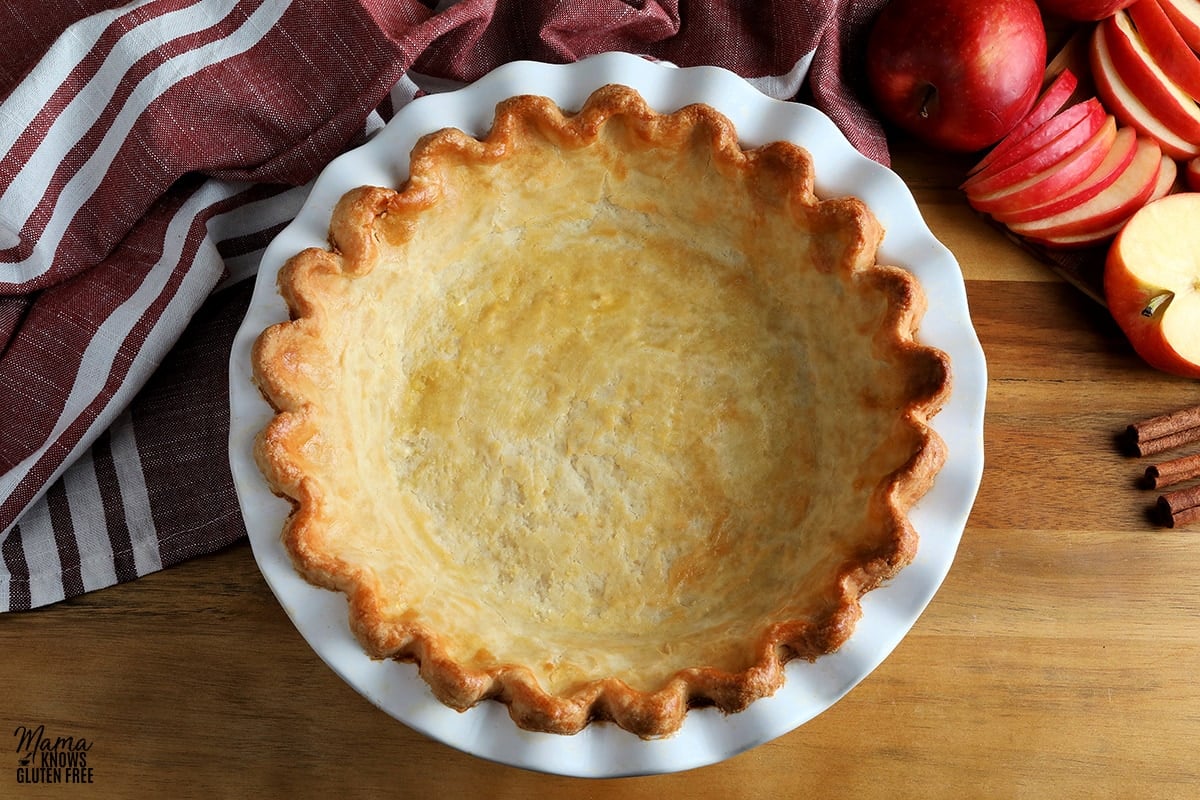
[1152, 283]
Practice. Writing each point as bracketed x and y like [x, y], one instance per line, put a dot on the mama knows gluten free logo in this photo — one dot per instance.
[51, 759]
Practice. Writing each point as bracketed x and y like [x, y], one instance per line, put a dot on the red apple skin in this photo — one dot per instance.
[1164, 186]
[1126, 105]
[1140, 72]
[1065, 173]
[1191, 175]
[1162, 38]
[1123, 196]
[1114, 164]
[1049, 102]
[958, 76]
[1084, 10]
[1130, 297]
[1078, 124]
[1186, 17]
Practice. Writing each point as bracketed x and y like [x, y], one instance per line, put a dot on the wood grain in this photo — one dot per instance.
[1058, 660]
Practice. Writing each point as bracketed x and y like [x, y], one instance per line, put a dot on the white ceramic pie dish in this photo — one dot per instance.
[707, 736]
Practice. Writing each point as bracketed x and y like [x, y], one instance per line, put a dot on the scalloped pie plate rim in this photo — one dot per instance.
[707, 735]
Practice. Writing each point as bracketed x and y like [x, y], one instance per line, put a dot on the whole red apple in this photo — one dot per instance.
[1084, 10]
[958, 75]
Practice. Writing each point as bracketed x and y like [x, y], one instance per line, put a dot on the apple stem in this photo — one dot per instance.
[930, 93]
[1155, 302]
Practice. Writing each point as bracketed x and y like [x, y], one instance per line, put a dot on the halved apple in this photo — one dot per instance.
[1176, 58]
[1122, 197]
[1059, 177]
[1124, 103]
[1141, 73]
[1152, 283]
[1051, 100]
[1115, 161]
[1057, 138]
[1186, 16]
[1162, 187]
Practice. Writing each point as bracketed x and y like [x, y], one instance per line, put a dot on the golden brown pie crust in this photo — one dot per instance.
[601, 416]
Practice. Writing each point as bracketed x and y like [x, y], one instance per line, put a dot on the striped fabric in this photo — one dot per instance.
[148, 153]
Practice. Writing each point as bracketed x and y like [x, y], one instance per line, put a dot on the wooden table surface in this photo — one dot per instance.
[1059, 659]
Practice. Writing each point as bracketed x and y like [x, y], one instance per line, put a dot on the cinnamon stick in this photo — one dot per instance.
[1184, 517]
[1161, 444]
[1180, 507]
[1169, 473]
[1165, 431]
[1166, 424]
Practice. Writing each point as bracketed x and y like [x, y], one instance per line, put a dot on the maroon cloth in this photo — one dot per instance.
[148, 153]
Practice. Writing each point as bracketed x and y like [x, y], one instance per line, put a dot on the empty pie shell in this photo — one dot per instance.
[601, 416]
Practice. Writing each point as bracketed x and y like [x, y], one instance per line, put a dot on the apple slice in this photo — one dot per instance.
[1167, 183]
[1056, 179]
[1060, 136]
[1052, 99]
[1078, 241]
[1176, 58]
[1090, 115]
[1162, 187]
[1119, 155]
[1152, 283]
[1119, 200]
[1185, 14]
[1073, 56]
[1140, 72]
[1118, 98]
[1191, 174]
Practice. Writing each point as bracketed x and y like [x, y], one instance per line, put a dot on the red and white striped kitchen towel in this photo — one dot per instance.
[150, 150]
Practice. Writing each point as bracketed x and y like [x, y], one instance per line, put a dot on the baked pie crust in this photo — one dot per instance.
[601, 416]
